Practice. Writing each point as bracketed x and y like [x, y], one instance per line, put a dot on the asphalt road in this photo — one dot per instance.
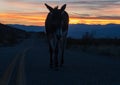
[28, 64]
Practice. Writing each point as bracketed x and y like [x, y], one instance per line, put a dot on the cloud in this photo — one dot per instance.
[34, 11]
[88, 16]
[109, 17]
[95, 4]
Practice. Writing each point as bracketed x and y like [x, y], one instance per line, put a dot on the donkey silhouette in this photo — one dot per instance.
[56, 26]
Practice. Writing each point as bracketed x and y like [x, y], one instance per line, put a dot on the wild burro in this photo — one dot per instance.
[56, 26]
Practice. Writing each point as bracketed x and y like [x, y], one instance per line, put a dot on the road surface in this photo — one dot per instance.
[28, 64]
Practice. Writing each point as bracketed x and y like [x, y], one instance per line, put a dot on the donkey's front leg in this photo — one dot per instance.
[62, 56]
[51, 55]
[63, 44]
[56, 56]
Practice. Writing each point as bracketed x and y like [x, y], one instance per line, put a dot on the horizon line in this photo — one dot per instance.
[69, 24]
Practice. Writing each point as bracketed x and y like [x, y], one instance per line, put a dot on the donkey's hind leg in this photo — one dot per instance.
[56, 56]
[62, 59]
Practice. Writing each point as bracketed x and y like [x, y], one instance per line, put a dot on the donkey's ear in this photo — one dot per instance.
[50, 8]
[63, 7]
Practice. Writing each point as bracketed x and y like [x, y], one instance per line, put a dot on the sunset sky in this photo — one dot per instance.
[33, 12]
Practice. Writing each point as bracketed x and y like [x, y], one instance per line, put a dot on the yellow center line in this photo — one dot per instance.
[8, 72]
[21, 79]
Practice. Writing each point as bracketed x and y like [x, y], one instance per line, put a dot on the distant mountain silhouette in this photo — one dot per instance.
[78, 30]
[10, 35]
[28, 28]
[98, 31]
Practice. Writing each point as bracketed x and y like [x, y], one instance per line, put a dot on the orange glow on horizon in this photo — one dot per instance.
[94, 21]
[39, 19]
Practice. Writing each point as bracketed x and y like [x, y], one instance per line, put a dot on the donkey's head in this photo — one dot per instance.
[57, 18]
[56, 14]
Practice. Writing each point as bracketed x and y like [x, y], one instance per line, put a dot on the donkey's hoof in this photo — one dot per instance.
[51, 66]
[56, 69]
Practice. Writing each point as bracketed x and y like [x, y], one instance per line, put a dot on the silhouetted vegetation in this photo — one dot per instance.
[97, 42]
[41, 34]
[88, 39]
[101, 46]
[10, 35]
